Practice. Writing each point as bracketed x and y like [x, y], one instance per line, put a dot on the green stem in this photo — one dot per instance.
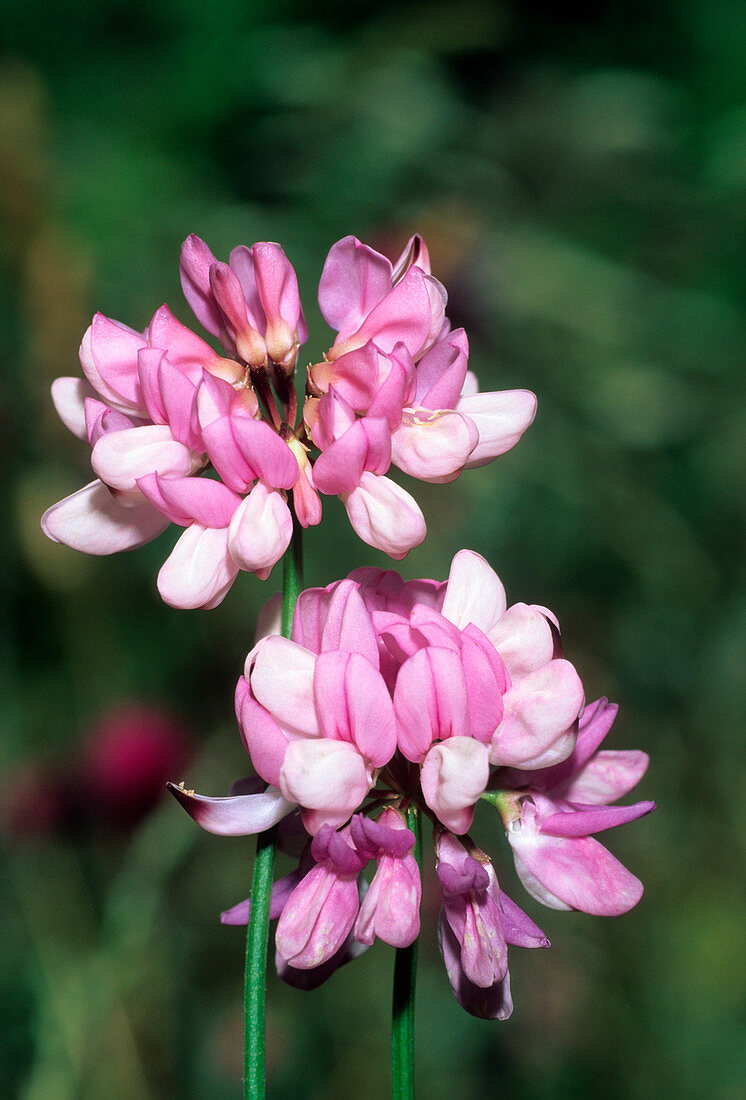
[255, 979]
[402, 1020]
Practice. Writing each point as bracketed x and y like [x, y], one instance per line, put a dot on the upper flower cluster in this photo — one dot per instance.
[418, 694]
[163, 412]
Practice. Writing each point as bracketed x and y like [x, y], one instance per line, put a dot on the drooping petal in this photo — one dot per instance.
[92, 521]
[574, 873]
[609, 774]
[234, 815]
[492, 1003]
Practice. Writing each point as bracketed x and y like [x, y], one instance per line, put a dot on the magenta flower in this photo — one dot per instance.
[558, 809]
[477, 922]
[162, 408]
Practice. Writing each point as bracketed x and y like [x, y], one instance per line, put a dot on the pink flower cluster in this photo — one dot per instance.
[163, 412]
[392, 695]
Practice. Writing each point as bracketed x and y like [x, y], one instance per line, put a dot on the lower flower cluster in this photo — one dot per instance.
[394, 701]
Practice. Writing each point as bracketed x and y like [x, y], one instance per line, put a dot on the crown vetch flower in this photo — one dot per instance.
[392, 693]
[161, 408]
[559, 808]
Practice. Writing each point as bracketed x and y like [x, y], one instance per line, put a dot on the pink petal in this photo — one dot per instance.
[260, 530]
[491, 1003]
[576, 873]
[278, 290]
[366, 445]
[121, 457]
[188, 500]
[579, 822]
[404, 315]
[354, 280]
[108, 356]
[188, 352]
[524, 640]
[385, 515]
[199, 570]
[474, 593]
[196, 261]
[441, 372]
[92, 521]
[537, 729]
[329, 777]
[454, 774]
[236, 815]
[355, 377]
[430, 700]
[414, 252]
[69, 396]
[501, 419]
[317, 918]
[281, 675]
[486, 682]
[267, 454]
[263, 739]
[353, 705]
[608, 775]
[433, 445]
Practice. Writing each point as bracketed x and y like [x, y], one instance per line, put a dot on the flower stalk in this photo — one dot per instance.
[405, 976]
[255, 974]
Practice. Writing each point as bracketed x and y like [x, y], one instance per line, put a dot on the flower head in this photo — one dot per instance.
[163, 411]
[394, 696]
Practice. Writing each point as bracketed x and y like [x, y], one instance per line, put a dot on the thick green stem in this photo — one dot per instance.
[402, 1020]
[255, 981]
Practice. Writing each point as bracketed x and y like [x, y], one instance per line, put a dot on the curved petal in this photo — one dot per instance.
[281, 674]
[433, 444]
[120, 458]
[260, 530]
[354, 280]
[326, 776]
[199, 571]
[385, 516]
[92, 521]
[235, 815]
[69, 397]
[538, 724]
[501, 419]
[454, 774]
[474, 593]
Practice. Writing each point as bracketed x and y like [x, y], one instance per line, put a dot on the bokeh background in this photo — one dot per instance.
[580, 177]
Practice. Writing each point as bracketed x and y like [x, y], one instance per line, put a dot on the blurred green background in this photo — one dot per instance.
[580, 177]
